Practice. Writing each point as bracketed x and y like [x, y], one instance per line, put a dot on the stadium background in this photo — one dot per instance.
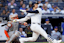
[55, 19]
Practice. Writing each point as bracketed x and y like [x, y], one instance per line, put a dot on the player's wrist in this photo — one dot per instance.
[22, 10]
[16, 20]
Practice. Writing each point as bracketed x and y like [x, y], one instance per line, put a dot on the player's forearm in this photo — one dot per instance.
[22, 20]
[36, 11]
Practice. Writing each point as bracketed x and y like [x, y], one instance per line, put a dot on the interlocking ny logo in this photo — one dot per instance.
[0, 35]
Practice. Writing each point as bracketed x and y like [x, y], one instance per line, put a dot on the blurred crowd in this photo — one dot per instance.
[47, 6]
[12, 8]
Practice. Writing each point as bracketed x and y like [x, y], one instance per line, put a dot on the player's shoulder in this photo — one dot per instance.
[39, 9]
[23, 32]
[53, 31]
[49, 23]
[58, 32]
[16, 13]
[10, 13]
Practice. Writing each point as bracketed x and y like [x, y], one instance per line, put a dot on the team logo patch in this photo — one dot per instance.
[6, 27]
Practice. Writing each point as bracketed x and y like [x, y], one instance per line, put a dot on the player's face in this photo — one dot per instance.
[21, 29]
[56, 29]
[47, 22]
[4, 11]
[13, 11]
[23, 6]
[54, 9]
[36, 5]
[25, 24]
[45, 8]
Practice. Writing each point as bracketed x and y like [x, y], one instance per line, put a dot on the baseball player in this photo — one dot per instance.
[11, 31]
[35, 16]
[56, 34]
[12, 27]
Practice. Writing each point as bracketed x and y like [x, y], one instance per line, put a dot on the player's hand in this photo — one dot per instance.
[15, 20]
[22, 10]
[8, 39]
[25, 23]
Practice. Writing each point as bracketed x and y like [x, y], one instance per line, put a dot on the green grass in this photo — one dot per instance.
[39, 42]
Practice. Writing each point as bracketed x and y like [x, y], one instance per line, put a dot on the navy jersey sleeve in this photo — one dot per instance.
[36, 11]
